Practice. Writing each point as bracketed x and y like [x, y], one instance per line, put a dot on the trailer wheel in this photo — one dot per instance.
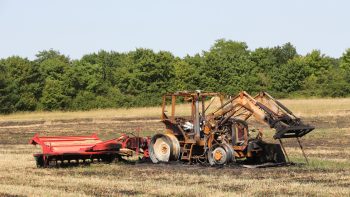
[220, 154]
[108, 158]
[164, 148]
[39, 160]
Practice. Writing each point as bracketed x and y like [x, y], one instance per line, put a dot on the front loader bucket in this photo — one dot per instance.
[273, 153]
[293, 131]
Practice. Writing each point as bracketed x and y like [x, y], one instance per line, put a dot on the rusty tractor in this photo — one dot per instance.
[219, 134]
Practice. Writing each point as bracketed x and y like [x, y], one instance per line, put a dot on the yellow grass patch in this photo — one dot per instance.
[319, 107]
[301, 107]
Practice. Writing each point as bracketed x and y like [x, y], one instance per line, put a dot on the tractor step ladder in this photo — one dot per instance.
[186, 152]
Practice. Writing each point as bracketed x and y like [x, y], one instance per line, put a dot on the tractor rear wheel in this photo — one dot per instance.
[164, 148]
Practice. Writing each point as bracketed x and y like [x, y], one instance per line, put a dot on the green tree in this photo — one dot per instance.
[53, 97]
[228, 68]
[270, 62]
[26, 79]
[84, 76]
[284, 53]
[345, 64]
[148, 76]
[318, 63]
[109, 62]
[53, 67]
[335, 84]
[266, 62]
[50, 54]
[187, 76]
[290, 76]
[319, 68]
[138, 78]
[8, 96]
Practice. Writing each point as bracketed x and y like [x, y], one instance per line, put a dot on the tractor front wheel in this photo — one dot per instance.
[220, 154]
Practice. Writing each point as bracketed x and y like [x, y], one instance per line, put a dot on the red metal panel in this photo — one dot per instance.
[85, 147]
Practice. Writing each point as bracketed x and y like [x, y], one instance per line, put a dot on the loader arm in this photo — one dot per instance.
[265, 109]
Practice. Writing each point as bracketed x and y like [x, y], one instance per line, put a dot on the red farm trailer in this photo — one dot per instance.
[72, 150]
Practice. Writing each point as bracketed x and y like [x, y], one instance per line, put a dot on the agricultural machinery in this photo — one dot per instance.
[201, 127]
[219, 134]
[73, 150]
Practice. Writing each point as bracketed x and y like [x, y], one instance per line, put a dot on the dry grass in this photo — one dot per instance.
[324, 177]
[99, 114]
[319, 107]
[327, 147]
[301, 107]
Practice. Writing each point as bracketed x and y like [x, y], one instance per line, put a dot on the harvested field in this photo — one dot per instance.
[328, 148]
[301, 107]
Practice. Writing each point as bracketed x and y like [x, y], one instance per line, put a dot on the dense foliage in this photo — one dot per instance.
[138, 78]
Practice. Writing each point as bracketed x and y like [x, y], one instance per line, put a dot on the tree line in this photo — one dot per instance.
[109, 79]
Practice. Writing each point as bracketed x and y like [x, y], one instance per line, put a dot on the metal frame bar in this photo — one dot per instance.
[302, 150]
[284, 150]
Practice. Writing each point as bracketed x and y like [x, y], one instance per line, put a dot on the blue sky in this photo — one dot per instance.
[182, 27]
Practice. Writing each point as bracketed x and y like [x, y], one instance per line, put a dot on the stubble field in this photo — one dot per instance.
[328, 149]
